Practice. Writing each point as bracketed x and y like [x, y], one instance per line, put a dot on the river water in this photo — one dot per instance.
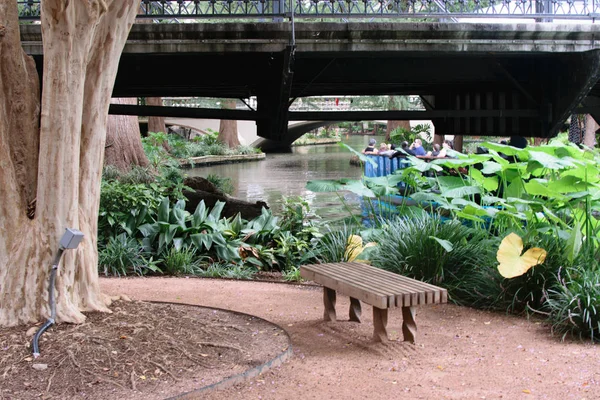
[281, 176]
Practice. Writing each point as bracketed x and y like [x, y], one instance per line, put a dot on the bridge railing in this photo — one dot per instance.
[277, 10]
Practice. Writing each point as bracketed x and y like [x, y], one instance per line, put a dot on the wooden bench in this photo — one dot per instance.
[379, 288]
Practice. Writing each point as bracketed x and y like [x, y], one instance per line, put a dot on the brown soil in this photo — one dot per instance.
[460, 353]
[141, 350]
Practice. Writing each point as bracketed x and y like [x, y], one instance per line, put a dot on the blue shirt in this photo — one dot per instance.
[419, 151]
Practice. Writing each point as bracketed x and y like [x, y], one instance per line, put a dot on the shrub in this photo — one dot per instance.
[111, 173]
[429, 249]
[221, 183]
[232, 271]
[333, 245]
[180, 261]
[123, 255]
[137, 175]
[574, 303]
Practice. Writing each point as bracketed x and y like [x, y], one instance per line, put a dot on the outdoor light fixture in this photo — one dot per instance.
[70, 240]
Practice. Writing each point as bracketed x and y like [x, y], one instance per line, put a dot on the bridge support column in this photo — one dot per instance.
[273, 100]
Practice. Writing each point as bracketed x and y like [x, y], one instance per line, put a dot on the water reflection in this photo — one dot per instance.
[285, 175]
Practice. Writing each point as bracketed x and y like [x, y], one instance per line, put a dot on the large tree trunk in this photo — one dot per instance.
[82, 42]
[123, 140]
[228, 128]
[395, 104]
[155, 124]
[589, 137]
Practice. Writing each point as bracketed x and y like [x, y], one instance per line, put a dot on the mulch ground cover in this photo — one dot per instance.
[156, 350]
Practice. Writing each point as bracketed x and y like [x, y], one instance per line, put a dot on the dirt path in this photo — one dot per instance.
[460, 353]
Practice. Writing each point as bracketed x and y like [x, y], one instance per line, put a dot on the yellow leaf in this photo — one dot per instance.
[527, 391]
[354, 247]
[512, 263]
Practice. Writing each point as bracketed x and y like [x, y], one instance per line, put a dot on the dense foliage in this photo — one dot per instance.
[450, 216]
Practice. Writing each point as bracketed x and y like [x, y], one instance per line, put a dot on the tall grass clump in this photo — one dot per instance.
[222, 183]
[334, 243]
[181, 261]
[123, 255]
[429, 249]
[574, 303]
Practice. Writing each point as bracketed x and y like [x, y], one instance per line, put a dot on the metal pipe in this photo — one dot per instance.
[52, 319]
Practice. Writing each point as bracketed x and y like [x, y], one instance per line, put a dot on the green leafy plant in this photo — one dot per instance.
[221, 183]
[123, 255]
[184, 260]
[574, 303]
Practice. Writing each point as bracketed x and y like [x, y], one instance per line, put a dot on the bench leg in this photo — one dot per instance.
[380, 317]
[355, 309]
[329, 302]
[409, 326]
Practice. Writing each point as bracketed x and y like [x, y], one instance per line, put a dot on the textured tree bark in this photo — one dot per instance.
[19, 136]
[82, 43]
[394, 104]
[123, 147]
[391, 125]
[589, 137]
[155, 124]
[458, 143]
[228, 128]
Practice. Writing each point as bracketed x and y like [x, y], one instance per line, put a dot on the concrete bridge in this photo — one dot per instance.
[474, 79]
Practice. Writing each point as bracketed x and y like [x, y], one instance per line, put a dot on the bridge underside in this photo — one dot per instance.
[497, 89]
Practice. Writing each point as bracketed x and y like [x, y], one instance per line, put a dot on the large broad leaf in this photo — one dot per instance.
[512, 263]
[523, 154]
[492, 200]
[199, 215]
[491, 167]
[470, 217]
[202, 240]
[574, 242]
[178, 217]
[587, 172]
[489, 183]
[450, 182]
[549, 161]
[215, 213]
[149, 230]
[324, 185]
[462, 191]
[358, 188]
[447, 245]
[422, 166]
[455, 163]
[537, 187]
[428, 197]
[567, 184]
[515, 189]
[163, 210]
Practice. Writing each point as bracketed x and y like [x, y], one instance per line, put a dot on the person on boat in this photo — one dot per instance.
[417, 148]
[370, 149]
[406, 151]
[447, 145]
[387, 150]
[437, 149]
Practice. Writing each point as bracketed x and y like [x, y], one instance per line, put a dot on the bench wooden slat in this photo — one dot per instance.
[373, 271]
[396, 288]
[392, 289]
[388, 283]
[374, 286]
[374, 299]
[400, 285]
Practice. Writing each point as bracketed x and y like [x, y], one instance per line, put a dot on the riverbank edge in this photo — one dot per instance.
[210, 160]
[314, 142]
